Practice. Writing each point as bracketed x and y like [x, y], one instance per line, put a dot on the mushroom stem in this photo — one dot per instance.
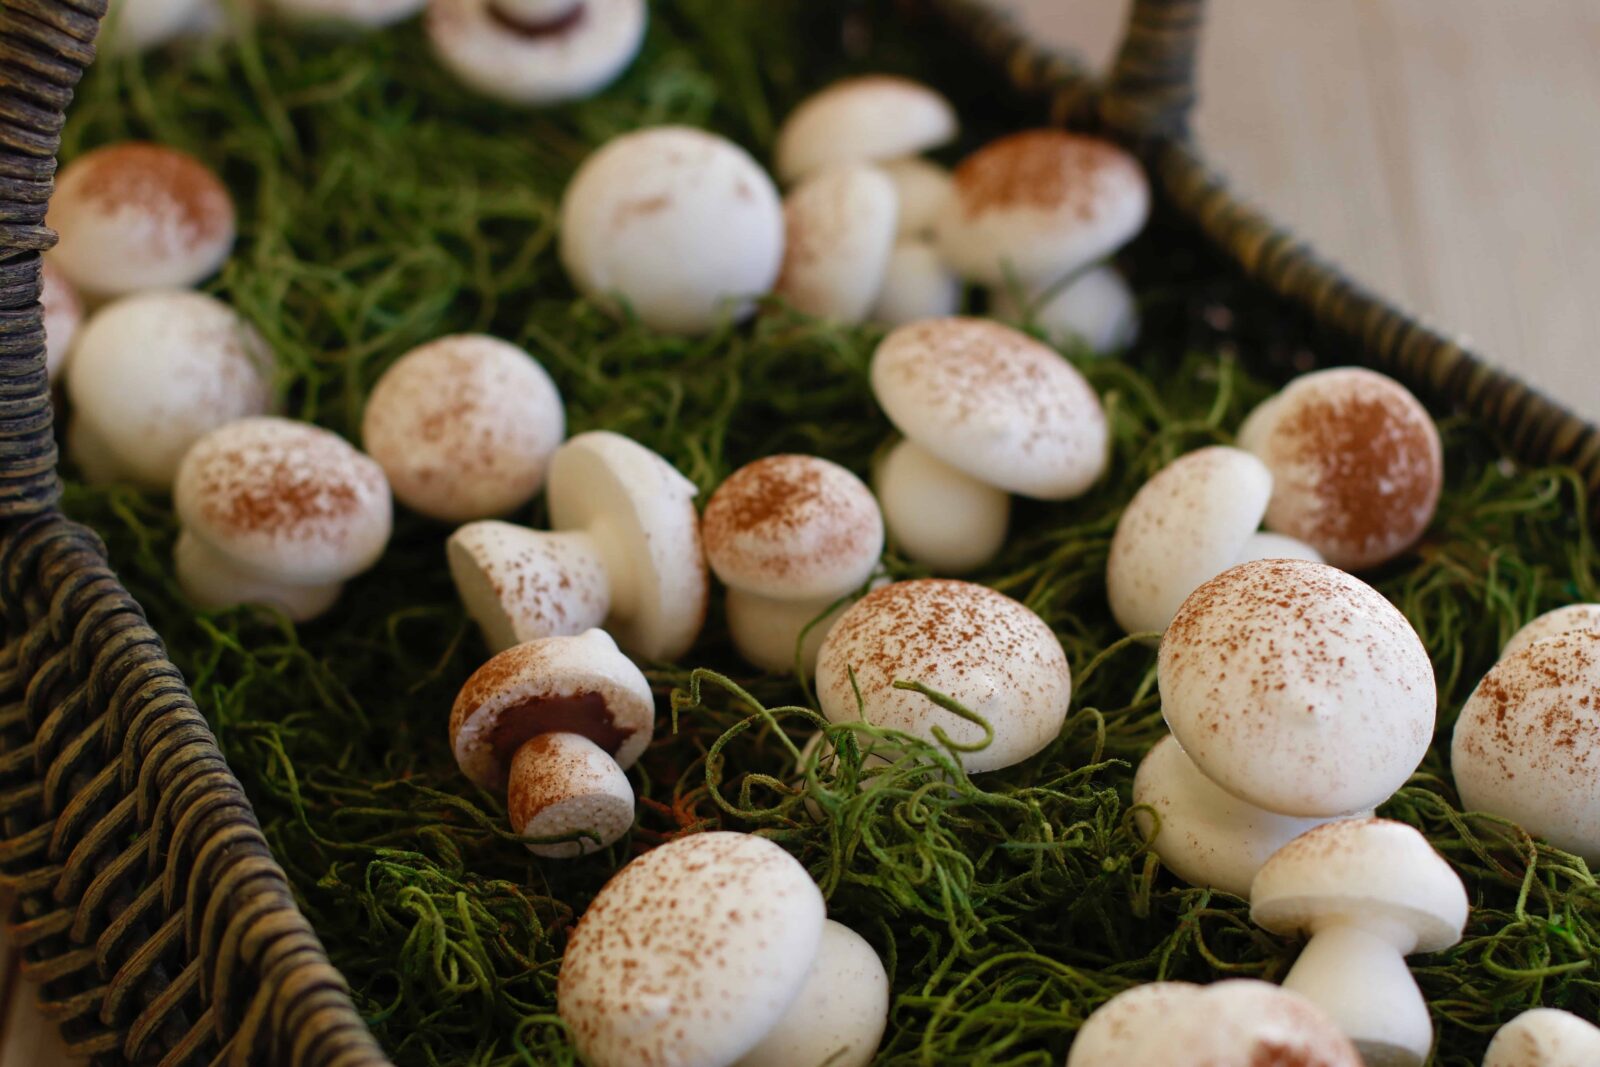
[563, 784]
[1356, 972]
[839, 1016]
[212, 581]
[939, 515]
[766, 631]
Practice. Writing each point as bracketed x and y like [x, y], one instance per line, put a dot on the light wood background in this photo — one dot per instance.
[1446, 151]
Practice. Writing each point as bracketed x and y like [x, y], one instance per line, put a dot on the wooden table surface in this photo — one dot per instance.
[1445, 151]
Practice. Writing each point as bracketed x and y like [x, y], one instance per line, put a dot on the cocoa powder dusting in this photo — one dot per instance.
[1046, 170]
[160, 181]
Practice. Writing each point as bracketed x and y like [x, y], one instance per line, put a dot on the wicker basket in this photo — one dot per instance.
[147, 905]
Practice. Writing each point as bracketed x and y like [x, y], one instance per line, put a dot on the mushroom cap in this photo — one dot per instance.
[1356, 464]
[1243, 1022]
[1545, 1037]
[1124, 1020]
[154, 372]
[994, 403]
[1298, 688]
[678, 224]
[923, 189]
[916, 285]
[838, 233]
[690, 954]
[1187, 524]
[212, 581]
[1039, 205]
[1096, 311]
[642, 515]
[138, 216]
[569, 59]
[1382, 871]
[284, 500]
[860, 120]
[520, 585]
[564, 783]
[63, 314]
[793, 527]
[1527, 743]
[974, 645]
[1264, 544]
[369, 14]
[570, 685]
[840, 1015]
[1207, 836]
[1574, 618]
[464, 427]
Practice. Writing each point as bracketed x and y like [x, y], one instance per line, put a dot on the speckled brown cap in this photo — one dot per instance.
[1039, 205]
[139, 216]
[994, 403]
[464, 427]
[1356, 464]
[1242, 1022]
[1298, 688]
[690, 954]
[1545, 1037]
[1124, 1020]
[285, 500]
[520, 584]
[860, 120]
[974, 645]
[1527, 744]
[1574, 618]
[793, 527]
[838, 232]
[575, 685]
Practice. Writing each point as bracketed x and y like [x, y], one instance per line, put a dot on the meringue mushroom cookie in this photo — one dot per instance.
[536, 53]
[675, 225]
[138, 216]
[1242, 1022]
[1298, 688]
[1574, 618]
[916, 285]
[1040, 205]
[1356, 462]
[838, 233]
[212, 582]
[520, 585]
[1186, 525]
[978, 647]
[152, 373]
[1124, 1020]
[367, 14]
[63, 314]
[1545, 1037]
[464, 427]
[923, 189]
[1527, 743]
[565, 785]
[691, 953]
[840, 1015]
[1096, 311]
[863, 120]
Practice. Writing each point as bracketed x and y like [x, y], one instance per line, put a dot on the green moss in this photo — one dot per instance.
[382, 206]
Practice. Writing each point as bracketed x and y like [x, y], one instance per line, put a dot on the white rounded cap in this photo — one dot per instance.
[1298, 688]
[154, 372]
[212, 581]
[1356, 464]
[1545, 1037]
[1186, 525]
[284, 500]
[641, 513]
[938, 515]
[679, 225]
[464, 427]
[793, 527]
[139, 216]
[861, 120]
[63, 314]
[570, 685]
[978, 647]
[562, 784]
[841, 1012]
[1574, 618]
[369, 14]
[1527, 744]
[994, 403]
[1372, 871]
[838, 233]
[1242, 1022]
[1206, 836]
[520, 585]
[1039, 205]
[690, 954]
[916, 285]
[1264, 544]
[924, 194]
[568, 57]
[1096, 312]
[1124, 1020]
[140, 25]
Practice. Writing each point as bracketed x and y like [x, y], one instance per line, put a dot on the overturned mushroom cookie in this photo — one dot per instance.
[536, 52]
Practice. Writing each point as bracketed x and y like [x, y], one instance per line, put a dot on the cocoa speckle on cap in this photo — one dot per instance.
[1043, 170]
[171, 187]
[1537, 713]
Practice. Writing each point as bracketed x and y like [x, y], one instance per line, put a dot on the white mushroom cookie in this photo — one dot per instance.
[366, 14]
[865, 119]
[1545, 1037]
[536, 52]
[1574, 618]
[1096, 311]
[916, 285]
[838, 236]
[138, 216]
[1113, 1028]
[923, 189]
[978, 647]
[464, 427]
